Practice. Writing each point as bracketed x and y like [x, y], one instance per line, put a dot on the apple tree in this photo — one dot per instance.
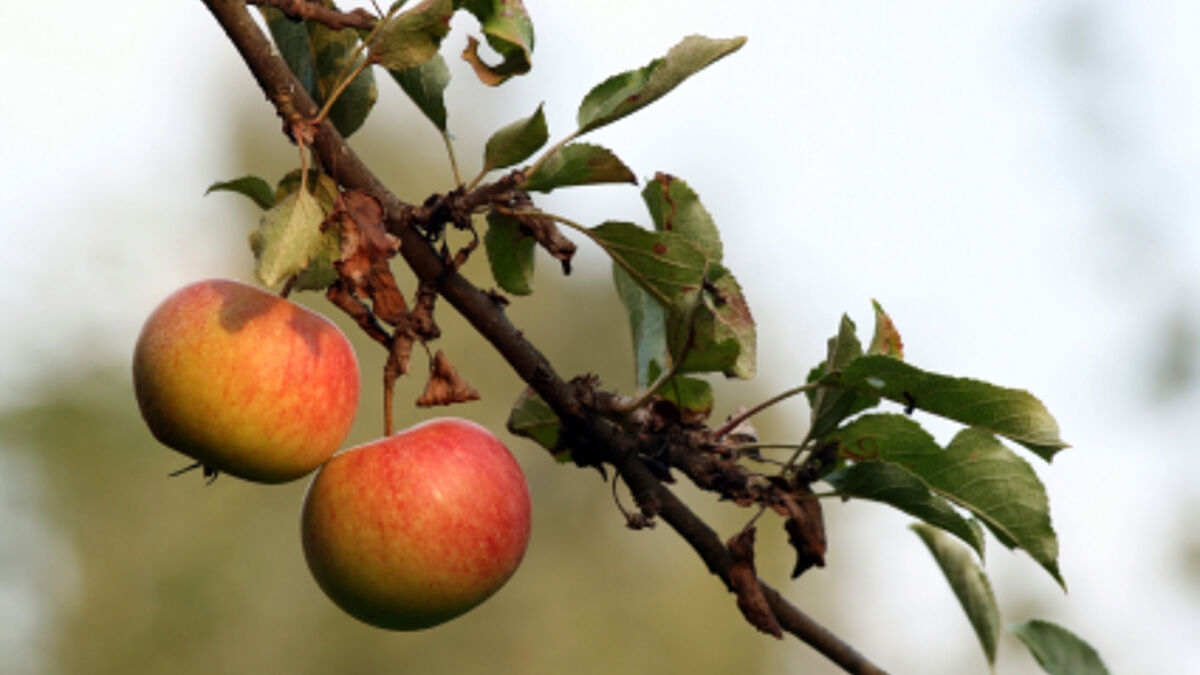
[333, 227]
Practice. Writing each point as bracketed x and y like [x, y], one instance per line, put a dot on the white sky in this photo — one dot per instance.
[1025, 217]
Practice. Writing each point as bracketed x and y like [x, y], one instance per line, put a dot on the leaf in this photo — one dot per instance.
[533, 418]
[691, 395]
[647, 324]
[508, 30]
[676, 208]
[253, 187]
[320, 185]
[578, 164]
[1057, 650]
[516, 141]
[632, 90]
[970, 586]
[708, 323]
[445, 386]
[426, 85]
[831, 406]
[895, 486]
[664, 264]
[318, 56]
[510, 253]
[288, 237]
[805, 527]
[887, 339]
[412, 37]
[743, 581]
[976, 471]
[724, 335]
[1012, 413]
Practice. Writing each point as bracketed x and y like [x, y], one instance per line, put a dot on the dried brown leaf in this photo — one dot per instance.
[542, 229]
[805, 526]
[743, 579]
[420, 321]
[445, 386]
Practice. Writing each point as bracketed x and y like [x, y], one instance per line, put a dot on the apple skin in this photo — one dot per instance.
[412, 530]
[244, 381]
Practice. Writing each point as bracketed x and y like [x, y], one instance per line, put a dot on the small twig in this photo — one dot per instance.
[732, 424]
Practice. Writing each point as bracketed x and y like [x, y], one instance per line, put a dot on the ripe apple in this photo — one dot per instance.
[245, 382]
[412, 530]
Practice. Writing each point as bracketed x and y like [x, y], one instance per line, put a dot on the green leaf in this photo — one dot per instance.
[675, 208]
[647, 323]
[632, 90]
[516, 141]
[253, 187]
[292, 40]
[724, 337]
[830, 406]
[288, 237]
[426, 86]
[689, 394]
[318, 56]
[578, 164]
[1012, 413]
[887, 339]
[510, 253]
[533, 418]
[1057, 650]
[976, 471]
[895, 486]
[970, 586]
[711, 329]
[508, 30]
[412, 37]
[664, 264]
[320, 185]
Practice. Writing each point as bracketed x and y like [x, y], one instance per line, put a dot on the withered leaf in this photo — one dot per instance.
[805, 527]
[543, 230]
[743, 579]
[445, 386]
[364, 239]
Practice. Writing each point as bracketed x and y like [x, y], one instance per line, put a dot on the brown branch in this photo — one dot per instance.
[314, 11]
[604, 439]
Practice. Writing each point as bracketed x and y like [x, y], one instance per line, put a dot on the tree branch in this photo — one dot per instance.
[332, 18]
[606, 441]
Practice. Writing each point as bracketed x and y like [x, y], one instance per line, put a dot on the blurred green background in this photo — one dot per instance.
[1015, 184]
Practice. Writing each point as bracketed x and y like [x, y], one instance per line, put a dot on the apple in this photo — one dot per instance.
[412, 530]
[245, 382]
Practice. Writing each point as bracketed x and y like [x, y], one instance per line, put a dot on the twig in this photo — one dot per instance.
[610, 443]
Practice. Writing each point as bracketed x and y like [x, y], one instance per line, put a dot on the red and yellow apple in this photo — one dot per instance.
[245, 382]
[412, 530]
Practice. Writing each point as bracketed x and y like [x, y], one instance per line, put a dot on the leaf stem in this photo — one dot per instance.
[454, 164]
[353, 68]
[337, 91]
[738, 419]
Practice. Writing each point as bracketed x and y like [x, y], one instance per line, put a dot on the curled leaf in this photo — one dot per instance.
[508, 30]
[743, 581]
[445, 385]
[543, 230]
[805, 526]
